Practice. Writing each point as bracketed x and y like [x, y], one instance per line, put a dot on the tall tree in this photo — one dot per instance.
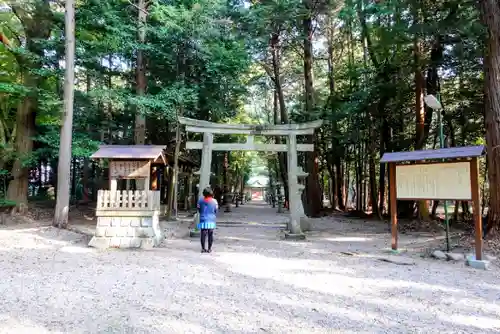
[37, 23]
[141, 84]
[313, 192]
[490, 14]
[64, 168]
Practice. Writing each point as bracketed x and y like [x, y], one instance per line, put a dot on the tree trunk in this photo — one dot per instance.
[109, 110]
[339, 183]
[347, 184]
[373, 187]
[279, 101]
[420, 138]
[172, 186]
[172, 202]
[490, 14]
[85, 167]
[313, 193]
[64, 166]
[359, 178]
[140, 120]
[25, 123]
[338, 175]
[385, 141]
[37, 25]
[74, 170]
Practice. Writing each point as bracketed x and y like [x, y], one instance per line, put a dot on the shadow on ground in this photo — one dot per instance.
[253, 282]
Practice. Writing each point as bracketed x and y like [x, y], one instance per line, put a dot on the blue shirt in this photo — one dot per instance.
[207, 208]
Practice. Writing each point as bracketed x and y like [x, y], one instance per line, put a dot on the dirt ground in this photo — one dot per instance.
[337, 281]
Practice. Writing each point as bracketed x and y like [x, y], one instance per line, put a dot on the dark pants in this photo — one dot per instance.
[204, 233]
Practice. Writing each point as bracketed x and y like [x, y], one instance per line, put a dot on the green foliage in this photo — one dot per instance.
[211, 60]
[194, 60]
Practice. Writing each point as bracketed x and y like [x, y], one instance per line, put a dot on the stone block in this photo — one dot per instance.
[110, 231]
[125, 222]
[135, 242]
[489, 257]
[99, 242]
[150, 232]
[103, 221]
[116, 221]
[296, 237]
[439, 255]
[147, 222]
[144, 232]
[486, 257]
[147, 243]
[114, 242]
[100, 231]
[135, 222]
[121, 231]
[455, 256]
[125, 242]
[477, 264]
[130, 231]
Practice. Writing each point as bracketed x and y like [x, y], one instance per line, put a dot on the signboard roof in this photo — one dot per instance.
[442, 153]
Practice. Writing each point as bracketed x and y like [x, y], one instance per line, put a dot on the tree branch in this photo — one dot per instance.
[269, 71]
[139, 8]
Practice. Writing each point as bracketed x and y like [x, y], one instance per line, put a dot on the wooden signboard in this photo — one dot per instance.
[125, 169]
[437, 181]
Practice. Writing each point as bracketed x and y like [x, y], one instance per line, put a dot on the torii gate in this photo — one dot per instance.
[291, 131]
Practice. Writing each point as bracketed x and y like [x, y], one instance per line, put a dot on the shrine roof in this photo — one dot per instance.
[133, 152]
[442, 153]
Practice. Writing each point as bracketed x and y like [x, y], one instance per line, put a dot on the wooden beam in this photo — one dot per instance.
[190, 145]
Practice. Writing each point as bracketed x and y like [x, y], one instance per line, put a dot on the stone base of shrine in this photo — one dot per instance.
[127, 232]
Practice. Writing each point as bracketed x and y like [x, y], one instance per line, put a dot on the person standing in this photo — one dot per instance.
[207, 209]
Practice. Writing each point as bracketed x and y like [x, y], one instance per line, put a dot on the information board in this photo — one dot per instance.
[434, 181]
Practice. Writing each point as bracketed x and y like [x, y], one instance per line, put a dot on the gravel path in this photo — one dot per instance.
[252, 283]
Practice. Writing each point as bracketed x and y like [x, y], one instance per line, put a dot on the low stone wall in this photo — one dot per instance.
[127, 231]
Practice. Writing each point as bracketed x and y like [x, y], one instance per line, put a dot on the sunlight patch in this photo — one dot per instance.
[348, 239]
[474, 321]
[75, 250]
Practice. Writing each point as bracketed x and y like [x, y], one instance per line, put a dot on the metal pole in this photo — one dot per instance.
[441, 144]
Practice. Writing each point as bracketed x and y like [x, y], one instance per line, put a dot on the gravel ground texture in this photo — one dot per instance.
[254, 282]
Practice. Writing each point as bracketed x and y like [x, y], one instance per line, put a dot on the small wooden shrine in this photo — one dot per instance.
[139, 163]
[128, 217]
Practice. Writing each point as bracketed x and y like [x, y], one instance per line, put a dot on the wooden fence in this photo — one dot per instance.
[128, 200]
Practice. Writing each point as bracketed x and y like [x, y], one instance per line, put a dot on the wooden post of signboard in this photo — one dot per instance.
[476, 207]
[394, 206]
